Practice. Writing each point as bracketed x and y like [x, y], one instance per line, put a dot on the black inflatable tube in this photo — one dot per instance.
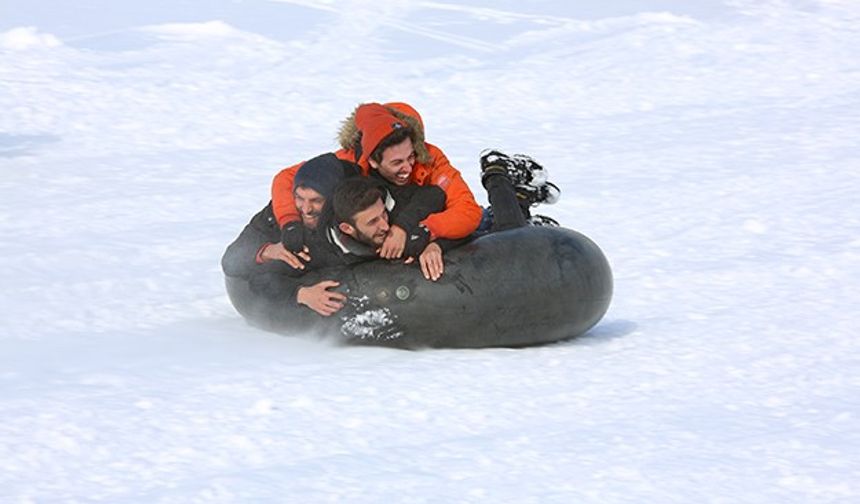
[520, 287]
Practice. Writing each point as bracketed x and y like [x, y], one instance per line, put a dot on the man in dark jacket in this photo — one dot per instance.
[259, 256]
[272, 261]
[366, 210]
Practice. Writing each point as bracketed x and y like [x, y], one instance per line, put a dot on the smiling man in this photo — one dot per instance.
[260, 257]
[394, 158]
[310, 205]
[365, 213]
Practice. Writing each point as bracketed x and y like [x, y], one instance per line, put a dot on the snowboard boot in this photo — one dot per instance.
[490, 170]
[522, 169]
[527, 176]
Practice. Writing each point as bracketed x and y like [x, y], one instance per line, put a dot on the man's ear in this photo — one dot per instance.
[373, 164]
[346, 228]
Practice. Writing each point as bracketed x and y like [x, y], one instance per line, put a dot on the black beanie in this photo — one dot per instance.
[322, 174]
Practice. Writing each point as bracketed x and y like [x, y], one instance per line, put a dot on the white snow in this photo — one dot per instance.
[27, 37]
[359, 321]
[710, 148]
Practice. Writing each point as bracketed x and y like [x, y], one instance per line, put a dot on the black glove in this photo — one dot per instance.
[293, 237]
[416, 241]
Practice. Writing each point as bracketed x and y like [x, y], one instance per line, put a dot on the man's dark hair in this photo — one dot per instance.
[354, 195]
[394, 138]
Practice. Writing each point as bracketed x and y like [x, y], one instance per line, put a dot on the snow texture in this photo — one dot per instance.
[359, 321]
[710, 149]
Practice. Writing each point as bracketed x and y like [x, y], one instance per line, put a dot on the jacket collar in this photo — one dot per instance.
[347, 244]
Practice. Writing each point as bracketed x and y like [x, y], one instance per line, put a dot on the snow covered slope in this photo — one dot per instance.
[709, 148]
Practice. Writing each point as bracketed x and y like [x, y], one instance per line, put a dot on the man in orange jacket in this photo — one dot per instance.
[390, 139]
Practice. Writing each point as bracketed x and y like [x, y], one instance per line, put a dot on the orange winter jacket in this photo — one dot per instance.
[462, 213]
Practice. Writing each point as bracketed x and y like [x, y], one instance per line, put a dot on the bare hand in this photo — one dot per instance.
[431, 262]
[321, 300]
[395, 242]
[277, 252]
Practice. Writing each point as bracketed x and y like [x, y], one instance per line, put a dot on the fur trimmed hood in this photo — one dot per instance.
[349, 136]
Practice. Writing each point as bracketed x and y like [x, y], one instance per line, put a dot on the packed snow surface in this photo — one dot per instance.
[710, 148]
